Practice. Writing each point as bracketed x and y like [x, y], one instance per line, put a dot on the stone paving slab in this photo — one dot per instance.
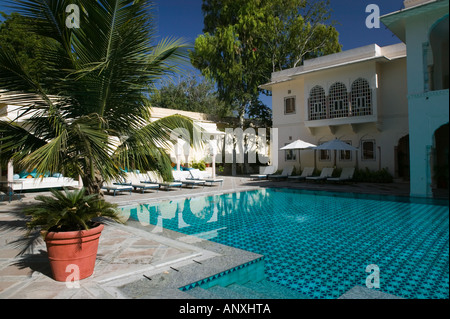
[124, 254]
[359, 292]
[131, 254]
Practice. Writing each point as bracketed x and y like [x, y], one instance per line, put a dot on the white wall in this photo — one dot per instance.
[427, 110]
[388, 82]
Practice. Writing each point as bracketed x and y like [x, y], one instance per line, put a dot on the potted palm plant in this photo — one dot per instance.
[69, 222]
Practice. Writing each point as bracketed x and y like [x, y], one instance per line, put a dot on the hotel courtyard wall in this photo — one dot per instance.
[379, 129]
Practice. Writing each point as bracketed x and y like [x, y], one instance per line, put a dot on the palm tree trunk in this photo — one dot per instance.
[93, 185]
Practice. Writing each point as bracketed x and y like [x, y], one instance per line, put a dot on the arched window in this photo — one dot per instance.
[338, 100]
[361, 98]
[317, 103]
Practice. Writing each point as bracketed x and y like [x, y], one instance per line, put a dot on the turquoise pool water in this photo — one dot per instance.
[319, 243]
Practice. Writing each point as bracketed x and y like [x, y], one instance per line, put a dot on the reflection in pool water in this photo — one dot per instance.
[321, 243]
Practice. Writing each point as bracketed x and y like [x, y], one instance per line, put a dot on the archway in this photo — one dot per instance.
[441, 156]
[438, 38]
[402, 155]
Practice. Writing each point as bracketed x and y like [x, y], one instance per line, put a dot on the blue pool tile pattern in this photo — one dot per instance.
[320, 244]
[221, 278]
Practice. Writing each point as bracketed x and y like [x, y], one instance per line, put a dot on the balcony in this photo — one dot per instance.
[341, 118]
[341, 107]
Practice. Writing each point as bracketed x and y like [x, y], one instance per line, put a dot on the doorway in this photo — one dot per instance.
[403, 165]
[440, 163]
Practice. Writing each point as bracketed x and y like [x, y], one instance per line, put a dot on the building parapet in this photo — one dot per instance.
[365, 53]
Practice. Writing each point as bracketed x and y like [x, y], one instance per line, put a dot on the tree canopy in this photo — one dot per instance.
[25, 45]
[244, 41]
[190, 94]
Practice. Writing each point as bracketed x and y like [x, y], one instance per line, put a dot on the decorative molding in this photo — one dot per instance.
[332, 129]
[414, 3]
[312, 130]
[428, 94]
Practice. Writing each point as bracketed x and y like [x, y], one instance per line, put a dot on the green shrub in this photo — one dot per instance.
[368, 176]
[337, 172]
[199, 165]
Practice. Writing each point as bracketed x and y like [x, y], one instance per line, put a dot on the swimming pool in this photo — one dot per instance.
[320, 243]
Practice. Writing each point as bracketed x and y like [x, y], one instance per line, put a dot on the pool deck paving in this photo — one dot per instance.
[138, 260]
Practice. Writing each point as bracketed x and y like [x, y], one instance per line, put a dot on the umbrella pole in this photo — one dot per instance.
[335, 155]
[315, 155]
[299, 161]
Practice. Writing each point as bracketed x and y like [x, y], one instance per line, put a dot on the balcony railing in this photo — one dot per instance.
[334, 113]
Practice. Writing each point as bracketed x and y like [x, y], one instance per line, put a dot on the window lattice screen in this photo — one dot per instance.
[317, 103]
[361, 98]
[338, 98]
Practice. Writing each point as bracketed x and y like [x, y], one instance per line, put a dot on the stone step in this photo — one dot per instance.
[274, 290]
[227, 293]
[248, 292]
[200, 293]
[251, 290]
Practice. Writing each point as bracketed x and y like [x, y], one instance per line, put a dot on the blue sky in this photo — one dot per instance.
[184, 19]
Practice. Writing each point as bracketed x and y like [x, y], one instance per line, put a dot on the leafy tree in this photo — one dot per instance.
[86, 111]
[244, 41]
[298, 30]
[15, 37]
[225, 52]
[260, 114]
[189, 94]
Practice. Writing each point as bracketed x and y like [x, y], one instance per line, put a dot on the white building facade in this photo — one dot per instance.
[179, 151]
[357, 96]
[423, 27]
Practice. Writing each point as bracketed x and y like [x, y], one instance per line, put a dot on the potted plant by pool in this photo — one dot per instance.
[69, 222]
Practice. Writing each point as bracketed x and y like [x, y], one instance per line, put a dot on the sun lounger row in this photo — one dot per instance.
[307, 174]
[327, 173]
[144, 182]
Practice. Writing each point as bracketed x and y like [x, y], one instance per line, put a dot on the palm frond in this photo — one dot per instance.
[63, 211]
[92, 89]
[17, 142]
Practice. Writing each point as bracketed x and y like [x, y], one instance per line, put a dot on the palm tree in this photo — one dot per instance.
[87, 111]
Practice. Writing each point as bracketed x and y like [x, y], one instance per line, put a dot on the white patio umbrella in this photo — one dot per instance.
[336, 145]
[298, 145]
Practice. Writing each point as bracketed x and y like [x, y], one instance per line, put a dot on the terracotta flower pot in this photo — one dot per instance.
[73, 248]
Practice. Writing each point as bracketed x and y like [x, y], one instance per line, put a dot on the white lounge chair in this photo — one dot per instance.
[326, 173]
[307, 172]
[146, 179]
[264, 172]
[181, 178]
[168, 185]
[346, 175]
[287, 171]
[196, 175]
[117, 188]
[135, 181]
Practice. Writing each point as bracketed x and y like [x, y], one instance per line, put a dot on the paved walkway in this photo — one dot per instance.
[133, 254]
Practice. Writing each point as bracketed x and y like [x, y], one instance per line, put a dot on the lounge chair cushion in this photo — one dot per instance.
[346, 174]
[326, 173]
[307, 172]
[287, 171]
